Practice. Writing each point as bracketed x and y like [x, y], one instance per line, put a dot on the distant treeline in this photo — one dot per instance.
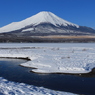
[44, 40]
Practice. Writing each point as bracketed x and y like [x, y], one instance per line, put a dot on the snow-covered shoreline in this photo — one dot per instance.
[13, 88]
[54, 59]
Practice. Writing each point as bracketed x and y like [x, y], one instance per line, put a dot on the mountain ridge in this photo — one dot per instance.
[41, 17]
[43, 24]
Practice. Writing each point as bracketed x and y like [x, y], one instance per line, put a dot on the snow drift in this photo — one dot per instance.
[13, 88]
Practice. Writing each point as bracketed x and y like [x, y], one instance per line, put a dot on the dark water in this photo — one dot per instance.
[10, 69]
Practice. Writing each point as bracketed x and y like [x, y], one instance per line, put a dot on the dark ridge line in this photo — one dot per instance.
[26, 58]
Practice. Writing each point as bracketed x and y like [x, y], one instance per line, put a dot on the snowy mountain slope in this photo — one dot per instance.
[41, 17]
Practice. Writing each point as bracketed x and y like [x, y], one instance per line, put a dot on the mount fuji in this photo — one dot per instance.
[44, 24]
[40, 18]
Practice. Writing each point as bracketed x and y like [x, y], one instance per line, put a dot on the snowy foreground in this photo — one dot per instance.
[47, 60]
[54, 59]
[12, 88]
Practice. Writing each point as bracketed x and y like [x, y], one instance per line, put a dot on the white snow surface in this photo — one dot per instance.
[54, 59]
[13, 88]
[29, 29]
[41, 17]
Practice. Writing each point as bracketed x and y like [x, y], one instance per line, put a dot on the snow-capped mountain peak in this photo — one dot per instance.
[50, 18]
[41, 17]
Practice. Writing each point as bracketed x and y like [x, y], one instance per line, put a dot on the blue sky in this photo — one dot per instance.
[81, 12]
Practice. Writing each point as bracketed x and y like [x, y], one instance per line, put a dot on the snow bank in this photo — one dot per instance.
[54, 59]
[12, 88]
